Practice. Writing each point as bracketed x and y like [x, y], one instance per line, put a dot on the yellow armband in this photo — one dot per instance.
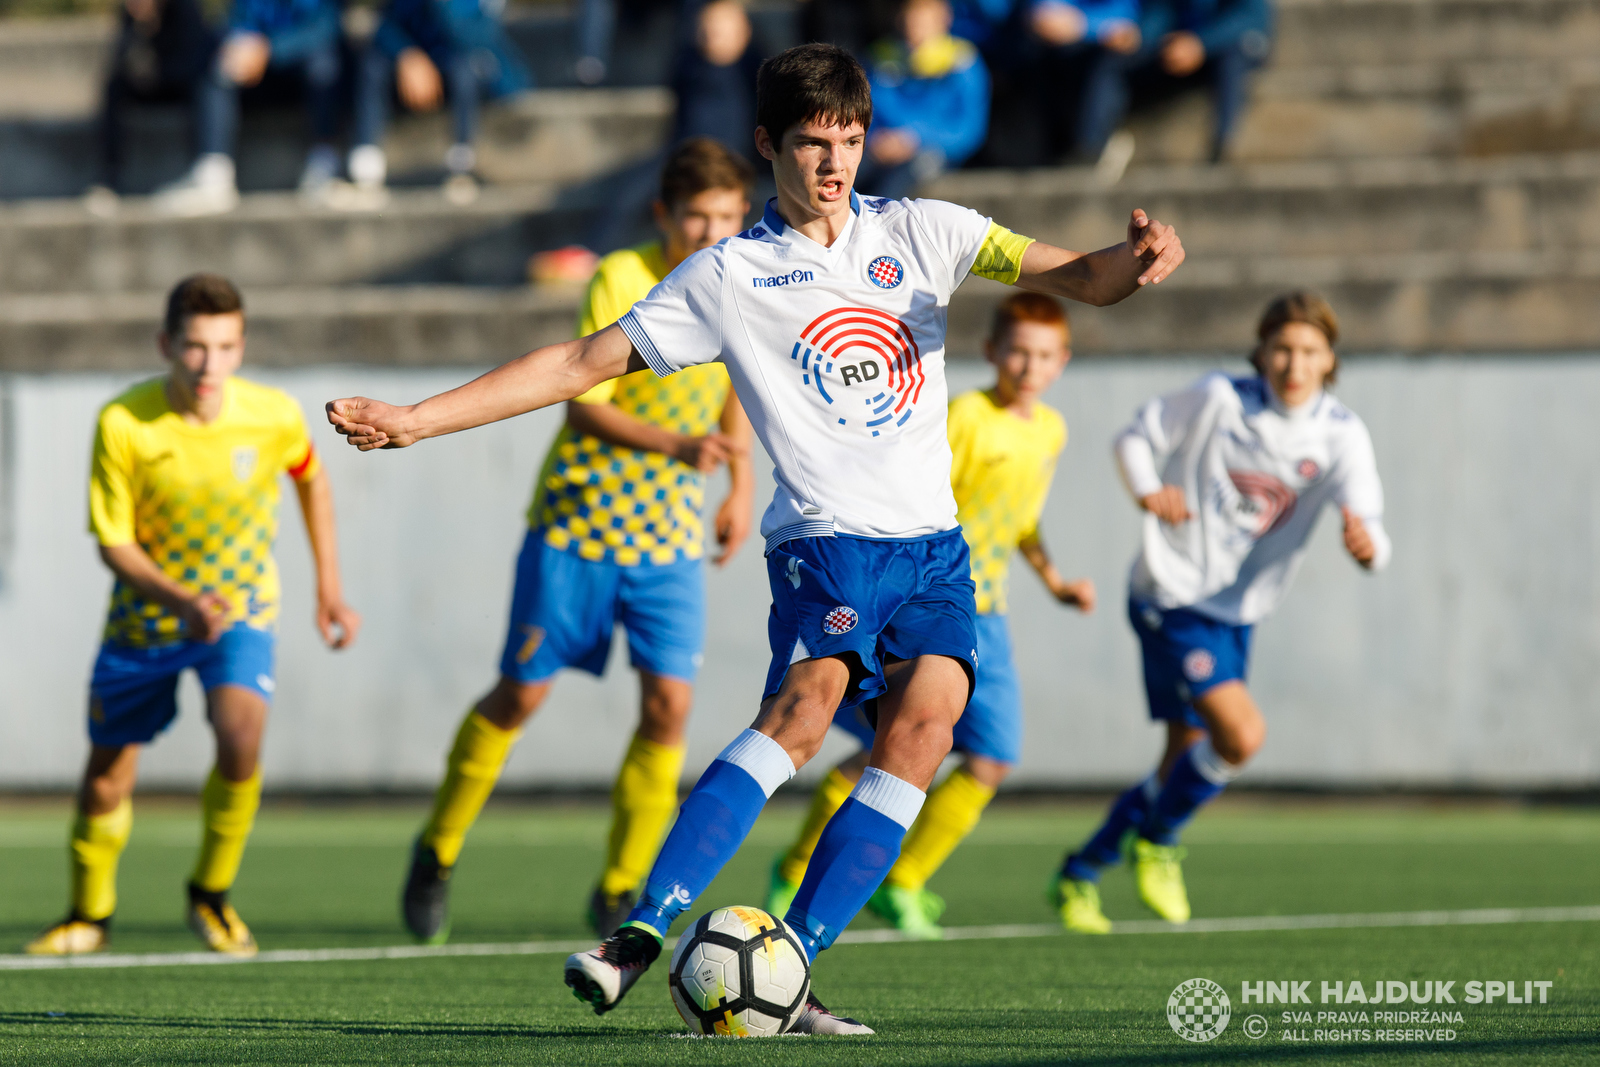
[1000, 257]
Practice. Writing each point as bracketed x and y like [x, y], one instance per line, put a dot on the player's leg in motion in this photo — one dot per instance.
[482, 743]
[99, 834]
[228, 805]
[643, 798]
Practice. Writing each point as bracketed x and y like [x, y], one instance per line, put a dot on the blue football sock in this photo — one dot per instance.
[1198, 776]
[713, 822]
[1128, 812]
[857, 848]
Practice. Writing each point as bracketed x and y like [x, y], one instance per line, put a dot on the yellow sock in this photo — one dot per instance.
[642, 803]
[470, 773]
[227, 813]
[949, 815]
[830, 796]
[97, 844]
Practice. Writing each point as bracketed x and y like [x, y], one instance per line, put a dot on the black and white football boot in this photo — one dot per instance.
[603, 975]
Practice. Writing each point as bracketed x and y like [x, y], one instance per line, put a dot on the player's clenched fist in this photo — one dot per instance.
[371, 424]
[1156, 245]
[1167, 504]
[1357, 541]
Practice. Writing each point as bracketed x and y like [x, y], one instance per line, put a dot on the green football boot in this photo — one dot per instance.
[914, 912]
[781, 893]
[1159, 877]
[1078, 903]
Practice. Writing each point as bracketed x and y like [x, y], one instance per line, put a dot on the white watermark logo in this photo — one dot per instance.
[1198, 1010]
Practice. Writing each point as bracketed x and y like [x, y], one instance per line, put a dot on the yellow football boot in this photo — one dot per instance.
[1078, 903]
[1157, 873]
[71, 937]
[215, 922]
[780, 894]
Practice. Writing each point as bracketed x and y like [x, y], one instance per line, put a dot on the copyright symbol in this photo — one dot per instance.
[1255, 1027]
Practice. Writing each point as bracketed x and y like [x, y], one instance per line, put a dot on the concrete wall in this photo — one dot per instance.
[1472, 661]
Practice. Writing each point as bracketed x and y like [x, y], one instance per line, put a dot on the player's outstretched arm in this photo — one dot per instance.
[337, 621]
[543, 377]
[1151, 252]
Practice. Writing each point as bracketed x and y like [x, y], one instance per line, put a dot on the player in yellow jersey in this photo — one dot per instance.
[1004, 442]
[615, 536]
[183, 498]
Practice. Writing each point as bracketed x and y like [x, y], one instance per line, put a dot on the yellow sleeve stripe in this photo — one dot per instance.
[1000, 257]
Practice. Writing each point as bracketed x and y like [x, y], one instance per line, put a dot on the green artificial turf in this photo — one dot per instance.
[329, 876]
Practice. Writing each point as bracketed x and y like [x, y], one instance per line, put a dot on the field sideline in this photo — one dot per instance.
[321, 878]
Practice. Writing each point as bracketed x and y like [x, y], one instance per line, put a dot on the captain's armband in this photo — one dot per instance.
[1000, 258]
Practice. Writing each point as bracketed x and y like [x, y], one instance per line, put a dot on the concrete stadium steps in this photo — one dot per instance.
[1514, 206]
[554, 135]
[273, 239]
[1373, 32]
[1441, 301]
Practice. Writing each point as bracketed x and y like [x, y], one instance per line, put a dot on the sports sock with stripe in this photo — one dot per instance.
[952, 810]
[1198, 776]
[642, 802]
[1127, 812]
[860, 844]
[227, 814]
[97, 844]
[831, 794]
[471, 771]
[713, 823]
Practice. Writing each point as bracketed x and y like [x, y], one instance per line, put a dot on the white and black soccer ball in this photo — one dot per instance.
[739, 972]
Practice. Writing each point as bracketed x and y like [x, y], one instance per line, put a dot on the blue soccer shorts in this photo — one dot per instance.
[1185, 655]
[133, 691]
[991, 726]
[864, 601]
[565, 608]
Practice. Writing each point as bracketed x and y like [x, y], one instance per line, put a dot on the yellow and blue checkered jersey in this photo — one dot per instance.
[621, 505]
[1000, 471]
[201, 499]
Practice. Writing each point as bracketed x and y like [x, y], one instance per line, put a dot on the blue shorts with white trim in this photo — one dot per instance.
[867, 601]
[1186, 654]
[133, 691]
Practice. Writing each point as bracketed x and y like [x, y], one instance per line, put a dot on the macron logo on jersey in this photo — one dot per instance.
[794, 277]
[855, 346]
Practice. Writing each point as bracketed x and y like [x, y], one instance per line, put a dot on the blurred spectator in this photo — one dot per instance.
[163, 49]
[429, 50]
[1081, 40]
[850, 24]
[983, 22]
[272, 48]
[1184, 44]
[715, 79]
[930, 102]
[597, 30]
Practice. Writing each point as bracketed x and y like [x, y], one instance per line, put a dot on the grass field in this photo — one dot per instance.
[327, 876]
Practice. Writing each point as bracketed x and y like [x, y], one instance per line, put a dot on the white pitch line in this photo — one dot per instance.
[1241, 924]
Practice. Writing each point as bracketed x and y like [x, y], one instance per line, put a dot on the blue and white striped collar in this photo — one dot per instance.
[774, 221]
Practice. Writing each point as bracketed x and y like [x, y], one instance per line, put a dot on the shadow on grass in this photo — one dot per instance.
[347, 1027]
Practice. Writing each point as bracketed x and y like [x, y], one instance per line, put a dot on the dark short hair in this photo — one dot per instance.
[199, 294]
[1302, 305]
[700, 164]
[1029, 307]
[812, 83]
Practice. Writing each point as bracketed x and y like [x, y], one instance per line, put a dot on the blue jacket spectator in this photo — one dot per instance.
[715, 79]
[1097, 16]
[429, 50]
[930, 102]
[293, 28]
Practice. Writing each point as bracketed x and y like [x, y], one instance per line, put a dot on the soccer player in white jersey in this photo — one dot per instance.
[1232, 474]
[829, 315]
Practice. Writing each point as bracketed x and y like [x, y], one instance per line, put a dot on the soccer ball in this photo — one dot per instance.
[739, 972]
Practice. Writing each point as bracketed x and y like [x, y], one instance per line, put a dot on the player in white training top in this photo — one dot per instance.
[1232, 474]
[829, 315]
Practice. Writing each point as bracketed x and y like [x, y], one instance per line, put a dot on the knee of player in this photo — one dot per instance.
[1239, 743]
[989, 772]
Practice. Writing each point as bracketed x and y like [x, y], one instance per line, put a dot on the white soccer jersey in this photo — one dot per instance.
[837, 355]
[1255, 475]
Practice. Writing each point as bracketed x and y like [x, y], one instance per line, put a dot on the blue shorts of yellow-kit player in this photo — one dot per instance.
[565, 609]
[991, 726]
[133, 691]
[1186, 654]
[868, 600]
